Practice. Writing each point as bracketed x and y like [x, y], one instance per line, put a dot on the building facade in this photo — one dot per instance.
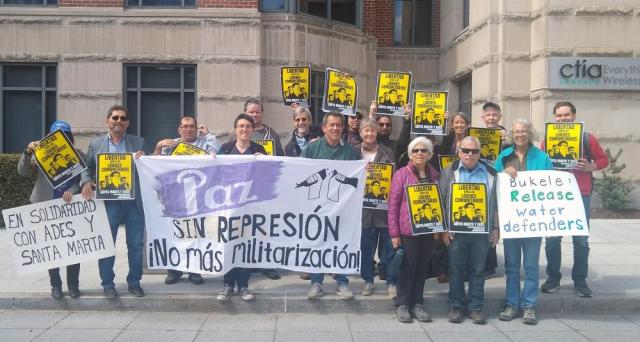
[163, 59]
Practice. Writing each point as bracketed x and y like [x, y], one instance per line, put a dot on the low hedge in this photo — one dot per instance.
[14, 189]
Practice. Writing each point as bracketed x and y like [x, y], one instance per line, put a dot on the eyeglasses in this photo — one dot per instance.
[384, 124]
[419, 150]
[470, 150]
[119, 118]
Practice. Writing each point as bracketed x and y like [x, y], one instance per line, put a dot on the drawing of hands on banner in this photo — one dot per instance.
[316, 180]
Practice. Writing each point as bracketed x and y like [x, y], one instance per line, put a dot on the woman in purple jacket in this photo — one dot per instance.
[418, 249]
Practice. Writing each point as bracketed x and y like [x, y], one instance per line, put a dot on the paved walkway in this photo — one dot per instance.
[31, 325]
[614, 276]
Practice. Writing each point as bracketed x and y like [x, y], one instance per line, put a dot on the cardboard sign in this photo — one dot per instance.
[115, 176]
[490, 143]
[58, 159]
[377, 186]
[446, 160]
[468, 208]
[340, 92]
[393, 91]
[295, 84]
[54, 233]
[185, 149]
[428, 112]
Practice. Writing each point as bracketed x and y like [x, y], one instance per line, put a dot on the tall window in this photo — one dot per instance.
[161, 3]
[339, 10]
[464, 95]
[268, 6]
[157, 96]
[28, 2]
[28, 96]
[317, 91]
[412, 21]
[465, 14]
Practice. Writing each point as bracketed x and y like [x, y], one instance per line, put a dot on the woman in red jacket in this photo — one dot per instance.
[418, 249]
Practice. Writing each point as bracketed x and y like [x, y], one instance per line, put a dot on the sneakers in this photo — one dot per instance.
[583, 291]
[368, 289]
[194, 278]
[136, 290]
[478, 317]
[225, 294]
[455, 315]
[345, 292]
[393, 291]
[172, 277]
[110, 293]
[420, 314]
[402, 312]
[246, 295]
[74, 292]
[315, 291]
[529, 316]
[56, 292]
[507, 313]
[549, 286]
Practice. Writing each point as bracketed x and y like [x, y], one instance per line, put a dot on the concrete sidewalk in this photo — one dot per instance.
[614, 276]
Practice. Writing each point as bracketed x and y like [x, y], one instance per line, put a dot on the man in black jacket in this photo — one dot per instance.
[303, 133]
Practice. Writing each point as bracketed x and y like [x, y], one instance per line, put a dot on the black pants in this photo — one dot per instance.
[492, 260]
[73, 273]
[415, 268]
[440, 262]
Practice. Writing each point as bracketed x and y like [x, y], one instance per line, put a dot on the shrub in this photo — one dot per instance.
[14, 189]
[613, 190]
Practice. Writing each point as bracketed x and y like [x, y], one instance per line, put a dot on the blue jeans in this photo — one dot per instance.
[368, 243]
[467, 252]
[553, 252]
[318, 278]
[527, 250]
[127, 213]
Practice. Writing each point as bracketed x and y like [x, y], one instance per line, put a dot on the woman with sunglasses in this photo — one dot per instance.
[418, 249]
[374, 222]
[244, 126]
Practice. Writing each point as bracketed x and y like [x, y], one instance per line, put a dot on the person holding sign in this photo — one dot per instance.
[127, 212]
[418, 249]
[467, 251]
[374, 222]
[43, 191]
[459, 124]
[593, 159]
[188, 131]
[522, 156]
[239, 276]
[398, 147]
[351, 133]
[253, 107]
[188, 134]
[330, 147]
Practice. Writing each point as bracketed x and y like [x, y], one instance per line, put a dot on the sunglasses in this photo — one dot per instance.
[119, 118]
[470, 150]
[384, 124]
[419, 150]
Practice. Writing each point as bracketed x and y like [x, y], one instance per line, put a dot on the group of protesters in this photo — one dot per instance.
[453, 258]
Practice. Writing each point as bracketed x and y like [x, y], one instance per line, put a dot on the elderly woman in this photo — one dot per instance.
[374, 221]
[522, 156]
[418, 249]
[244, 126]
[43, 191]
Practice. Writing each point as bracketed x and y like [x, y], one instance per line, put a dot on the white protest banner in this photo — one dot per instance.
[208, 215]
[55, 233]
[540, 203]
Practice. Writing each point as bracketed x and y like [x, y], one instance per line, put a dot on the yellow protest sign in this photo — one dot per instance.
[468, 208]
[446, 161]
[185, 149]
[340, 92]
[428, 112]
[490, 142]
[58, 159]
[563, 142]
[115, 176]
[295, 83]
[377, 186]
[393, 91]
[268, 145]
[425, 209]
